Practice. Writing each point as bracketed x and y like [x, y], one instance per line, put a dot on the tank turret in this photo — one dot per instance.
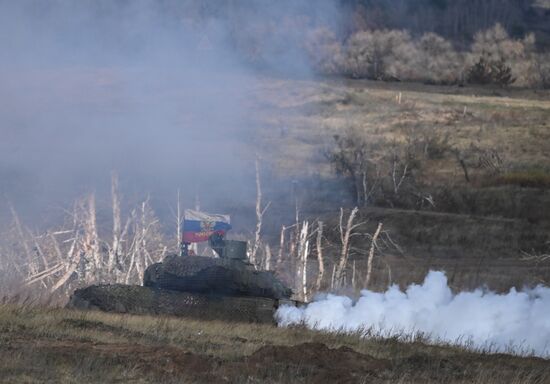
[227, 275]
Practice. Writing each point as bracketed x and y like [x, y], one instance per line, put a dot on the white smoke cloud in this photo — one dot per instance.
[518, 321]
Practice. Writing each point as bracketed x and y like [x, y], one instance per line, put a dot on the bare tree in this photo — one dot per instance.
[114, 251]
[350, 157]
[90, 258]
[259, 214]
[267, 264]
[303, 252]
[320, 255]
[76, 256]
[281, 248]
[396, 178]
[332, 277]
[346, 232]
[371, 254]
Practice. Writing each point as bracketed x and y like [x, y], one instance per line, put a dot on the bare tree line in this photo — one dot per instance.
[75, 254]
[305, 240]
[382, 54]
[81, 251]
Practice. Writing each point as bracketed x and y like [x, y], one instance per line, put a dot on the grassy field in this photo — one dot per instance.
[301, 117]
[476, 231]
[63, 346]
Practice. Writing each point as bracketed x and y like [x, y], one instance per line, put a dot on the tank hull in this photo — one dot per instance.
[205, 288]
[134, 299]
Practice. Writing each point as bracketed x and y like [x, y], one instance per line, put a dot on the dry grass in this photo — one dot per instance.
[529, 179]
[475, 122]
[57, 345]
[513, 122]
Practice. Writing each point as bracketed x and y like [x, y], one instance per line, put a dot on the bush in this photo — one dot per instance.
[495, 58]
[380, 55]
[490, 71]
[437, 61]
[480, 72]
[394, 55]
[350, 157]
[540, 74]
[377, 172]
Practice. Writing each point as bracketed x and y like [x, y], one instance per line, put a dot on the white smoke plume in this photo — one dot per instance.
[516, 322]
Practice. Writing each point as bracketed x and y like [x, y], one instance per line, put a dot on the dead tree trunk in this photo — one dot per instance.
[304, 272]
[345, 235]
[320, 256]
[371, 254]
[267, 257]
[114, 252]
[73, 260]
[259, 214]
[332, 277]
[303, 251]
[281, 248]
[91, 263]
[398, 180]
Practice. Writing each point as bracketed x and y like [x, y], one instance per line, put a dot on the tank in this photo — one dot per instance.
[227, 275]
[226, 287]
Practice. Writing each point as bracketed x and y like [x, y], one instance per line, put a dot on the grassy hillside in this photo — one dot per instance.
[62, 346]
[308, 113]
[477, 230]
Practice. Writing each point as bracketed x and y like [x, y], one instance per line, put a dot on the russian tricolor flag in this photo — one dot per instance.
[199, 226]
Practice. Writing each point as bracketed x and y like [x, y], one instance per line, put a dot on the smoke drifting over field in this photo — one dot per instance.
[158, 90]
[516, 320]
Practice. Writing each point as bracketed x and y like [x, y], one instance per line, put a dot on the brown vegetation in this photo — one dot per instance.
[54, 345]
[475, 230]
[493, 58]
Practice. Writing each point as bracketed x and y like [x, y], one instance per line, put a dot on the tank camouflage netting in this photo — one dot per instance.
[214, 275]
[143, 300]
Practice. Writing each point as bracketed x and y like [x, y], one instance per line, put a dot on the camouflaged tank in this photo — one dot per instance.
[225, 287]
[224, 276]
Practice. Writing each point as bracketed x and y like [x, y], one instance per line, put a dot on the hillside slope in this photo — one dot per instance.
[478, 230]
[53, 346]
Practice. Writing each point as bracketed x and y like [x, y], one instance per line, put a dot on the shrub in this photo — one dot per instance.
[480, 72]
[495, 58]
[490, 71]
[380, 55]
[540, 73]
[437, 61]
[394, 55]
[350, 157]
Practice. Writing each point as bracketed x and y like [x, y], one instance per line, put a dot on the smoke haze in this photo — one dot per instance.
[158, 90]
[516, 320]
